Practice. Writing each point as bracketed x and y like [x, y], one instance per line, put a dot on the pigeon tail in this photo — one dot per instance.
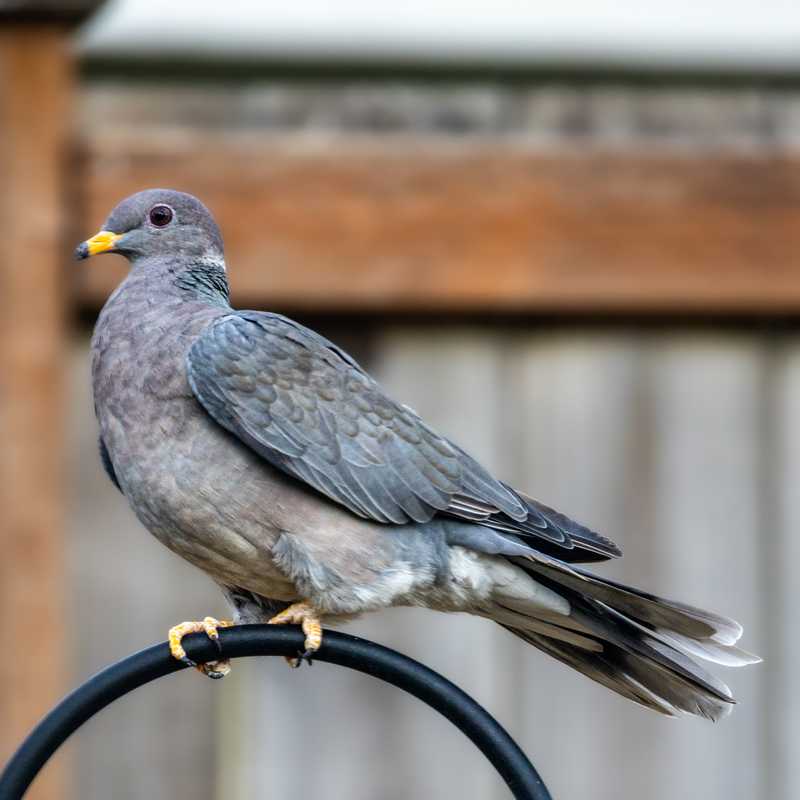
[641, 646]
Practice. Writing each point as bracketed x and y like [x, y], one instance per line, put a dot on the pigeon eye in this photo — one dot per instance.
[160, 216]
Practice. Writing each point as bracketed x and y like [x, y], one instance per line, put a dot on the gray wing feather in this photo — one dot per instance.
[309, 409]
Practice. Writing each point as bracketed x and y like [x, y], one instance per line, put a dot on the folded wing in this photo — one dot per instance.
[309, 409]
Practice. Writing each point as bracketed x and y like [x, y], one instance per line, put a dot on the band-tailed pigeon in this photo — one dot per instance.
[263, 454]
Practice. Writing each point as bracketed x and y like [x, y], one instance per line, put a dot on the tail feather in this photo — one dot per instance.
[683, 695]
[642, 646]
[520, 623]
[727, 655]
[598, 669]
[635, 677]
[651, 610]
[612, 627]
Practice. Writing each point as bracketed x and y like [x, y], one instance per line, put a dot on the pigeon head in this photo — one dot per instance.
[154, 223]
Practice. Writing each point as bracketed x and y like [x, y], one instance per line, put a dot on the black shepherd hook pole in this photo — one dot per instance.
[264, 640]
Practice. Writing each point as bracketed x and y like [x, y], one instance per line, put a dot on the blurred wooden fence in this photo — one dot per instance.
[676, 438]
[679, 439]
[681, 444]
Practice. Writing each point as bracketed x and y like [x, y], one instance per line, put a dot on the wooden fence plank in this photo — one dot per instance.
[706, 508]
[781, 542]
[35, 88]
[572, 426]
[416, 225]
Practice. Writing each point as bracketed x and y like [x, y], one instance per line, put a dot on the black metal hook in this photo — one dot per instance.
[264, 640]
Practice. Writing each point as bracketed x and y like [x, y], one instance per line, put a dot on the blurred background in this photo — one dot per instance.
[566, 234]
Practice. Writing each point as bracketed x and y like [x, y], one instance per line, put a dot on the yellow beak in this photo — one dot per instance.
[99, 243]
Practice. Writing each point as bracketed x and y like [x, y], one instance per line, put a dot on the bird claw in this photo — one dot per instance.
[297, 661]
[213, 669]
[305, 615]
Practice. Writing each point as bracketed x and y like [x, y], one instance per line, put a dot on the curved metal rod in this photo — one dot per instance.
[264, 640]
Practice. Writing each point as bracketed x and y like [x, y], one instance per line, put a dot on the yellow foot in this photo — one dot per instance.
[305, 615]
[209, 626]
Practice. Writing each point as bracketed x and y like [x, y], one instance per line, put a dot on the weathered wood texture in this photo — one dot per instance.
[35, 89]
[780, 603]
[482, 228]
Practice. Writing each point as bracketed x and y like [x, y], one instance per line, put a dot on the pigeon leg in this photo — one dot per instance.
[305, 615]
[209, 626]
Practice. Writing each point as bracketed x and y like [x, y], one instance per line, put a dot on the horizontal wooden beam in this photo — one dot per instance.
[416, 225]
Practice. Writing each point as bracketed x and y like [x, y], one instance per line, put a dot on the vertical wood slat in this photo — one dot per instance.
[782, 595]
[706, 513]
[35, 90]
[571, 422]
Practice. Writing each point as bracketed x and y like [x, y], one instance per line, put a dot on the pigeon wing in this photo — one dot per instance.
[309, 409]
